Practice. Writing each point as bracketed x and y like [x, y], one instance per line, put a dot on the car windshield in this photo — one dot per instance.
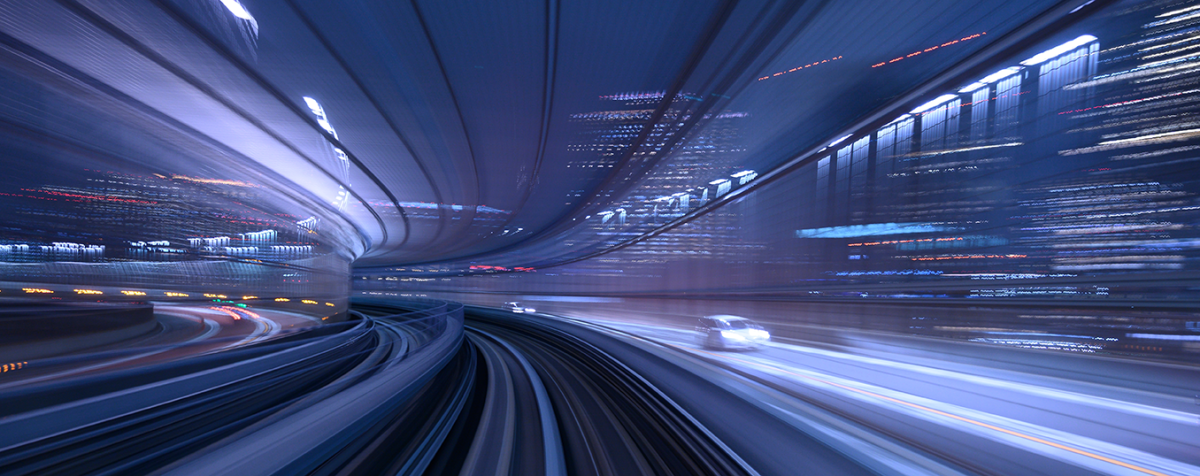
[739, 324]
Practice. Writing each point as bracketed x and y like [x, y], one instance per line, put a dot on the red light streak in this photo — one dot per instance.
[931, 48]
[814, 63]
[940, 258]
[232, 314]
[93, 197]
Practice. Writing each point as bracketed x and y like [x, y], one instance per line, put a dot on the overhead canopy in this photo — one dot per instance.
[463, 131]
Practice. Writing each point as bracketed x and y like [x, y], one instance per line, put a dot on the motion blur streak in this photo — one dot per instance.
[956, 417]
[745, 237]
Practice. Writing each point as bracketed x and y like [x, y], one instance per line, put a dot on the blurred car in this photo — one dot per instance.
[518, 308]
[724, 331]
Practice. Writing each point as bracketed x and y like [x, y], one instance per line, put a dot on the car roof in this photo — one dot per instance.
[727, 317]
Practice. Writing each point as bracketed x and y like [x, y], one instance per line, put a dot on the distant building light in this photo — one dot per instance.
[133, 293]
[938, 101]
[1058, 50]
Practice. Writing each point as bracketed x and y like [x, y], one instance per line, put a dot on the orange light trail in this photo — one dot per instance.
[798, 68]
[940, 258]
[235, 312]
[931, 48]
[93, 197]
[236, 183]
[232, 314]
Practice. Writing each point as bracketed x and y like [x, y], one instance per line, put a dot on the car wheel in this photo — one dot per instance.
[714, 342]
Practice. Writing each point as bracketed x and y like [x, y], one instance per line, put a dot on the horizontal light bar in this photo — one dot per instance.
[938, 101]
[998, 75]
[898, 119]
[839, 139]
[1058, 50]
[971, 87]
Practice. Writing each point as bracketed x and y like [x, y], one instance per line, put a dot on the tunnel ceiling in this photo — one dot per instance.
[477, 132]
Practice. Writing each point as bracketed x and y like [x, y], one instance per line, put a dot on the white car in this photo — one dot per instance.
[724, 331]
[518, 308]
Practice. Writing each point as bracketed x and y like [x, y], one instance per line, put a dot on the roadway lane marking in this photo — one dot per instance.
[211, 328]
[1136, 409]
[1131, 408]
[829, 381]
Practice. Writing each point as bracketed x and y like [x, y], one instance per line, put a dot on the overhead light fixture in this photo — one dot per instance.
[314, 106]
[998, 75]
[1058, 50]
[938, 101]
[972, 87]
[898, 119]
[838, 140]
[237, 9]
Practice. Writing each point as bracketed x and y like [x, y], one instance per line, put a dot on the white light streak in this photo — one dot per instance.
[314, 106]
[898, 119]
[1176, 12]
[938, 101]
[1058, 50]
[972, 87]
[238, 10]
[998, 75]
[1174, 20]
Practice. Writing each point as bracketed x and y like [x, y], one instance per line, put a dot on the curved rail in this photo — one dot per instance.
[403, 388]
